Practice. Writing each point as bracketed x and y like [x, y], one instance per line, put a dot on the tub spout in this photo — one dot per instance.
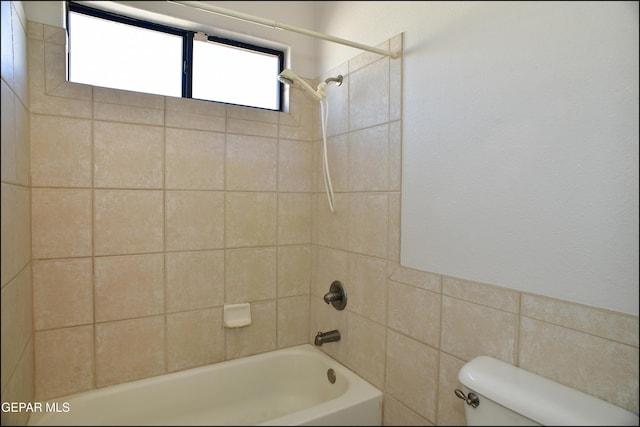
[323, 337]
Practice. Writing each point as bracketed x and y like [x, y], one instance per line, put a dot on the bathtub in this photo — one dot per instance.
[290, 386]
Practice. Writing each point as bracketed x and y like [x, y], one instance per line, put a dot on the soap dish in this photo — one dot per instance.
[237, 315]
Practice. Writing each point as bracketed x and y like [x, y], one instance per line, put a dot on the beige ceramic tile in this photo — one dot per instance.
[60, 151]
[9, 332]
[252, 114]
[395, 156]
[128, 221]
[25, 303]
[20, 388]
[23, 226]
[481, 293]
[337, 161]
[395, 79]
[603, 323]
[331, 228]
[294, 270]
[35, 30]
[23, 146]
[55, 35]
[366, 349]
[450, 407]
[194, 338]
[195, 114]
[366, 287]
[36, 70]
[258, 337]
[128, 350]
[369, 95]
[194, 280]
[396, 414]
[9, 135]
[62, 293]
[596, 366]
[10, 234]
[367, 58]
[368, 223]
[300, 124]
[17, 321]
[128, 114]
[470, 330]
[338, 122]
[293, 321]
[251, 127]
[194, 160]
[327, 265]
[295, 166]
[191, 106]
[369, 159]
[194, 121]
[251, 163]
[58, 371]
[418, 278]
[61, 106]
[128, 155]
[412, 374]
[250, 219]
[56, 72]
[415, 312]
[250, 275]
[125, 97]
[61, 223]
[194, 220]
[129, 286]
[322, 318]
[294, 218]
[393, 240]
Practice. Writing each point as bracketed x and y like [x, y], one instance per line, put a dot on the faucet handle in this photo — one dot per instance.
[336, 296]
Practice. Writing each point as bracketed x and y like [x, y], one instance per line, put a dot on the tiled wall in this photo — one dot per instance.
[409, 332]
[17, 327]
[149, 213]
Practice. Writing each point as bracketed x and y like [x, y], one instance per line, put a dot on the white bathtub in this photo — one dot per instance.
[282, 387]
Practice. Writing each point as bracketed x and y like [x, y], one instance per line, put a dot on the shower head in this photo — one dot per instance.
[290, 78]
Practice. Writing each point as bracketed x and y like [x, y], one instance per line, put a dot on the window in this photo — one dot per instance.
[110, 50]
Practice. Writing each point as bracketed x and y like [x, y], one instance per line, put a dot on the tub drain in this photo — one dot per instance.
[331, 375]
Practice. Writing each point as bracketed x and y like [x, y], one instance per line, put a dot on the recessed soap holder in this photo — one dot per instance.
[237, 315]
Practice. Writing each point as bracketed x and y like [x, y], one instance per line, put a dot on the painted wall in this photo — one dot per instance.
[520, 140]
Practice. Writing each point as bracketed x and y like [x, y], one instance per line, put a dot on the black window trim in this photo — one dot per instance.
[187, 46]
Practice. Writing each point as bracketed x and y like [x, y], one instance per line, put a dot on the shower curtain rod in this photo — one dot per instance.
[270, 23]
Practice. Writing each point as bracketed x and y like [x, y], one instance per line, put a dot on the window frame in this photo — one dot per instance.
[187, 48]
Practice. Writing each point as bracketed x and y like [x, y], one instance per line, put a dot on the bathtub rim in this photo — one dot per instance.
[358, 391]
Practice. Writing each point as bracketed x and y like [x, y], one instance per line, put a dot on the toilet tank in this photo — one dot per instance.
[509, 395]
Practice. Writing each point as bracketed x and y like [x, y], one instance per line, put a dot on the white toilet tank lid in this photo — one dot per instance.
[540, 399]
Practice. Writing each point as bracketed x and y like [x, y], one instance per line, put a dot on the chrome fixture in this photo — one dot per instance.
[471, 398]
[337, 80]
[336, 296]
[288, 77]
[323, 337]
[331, 376]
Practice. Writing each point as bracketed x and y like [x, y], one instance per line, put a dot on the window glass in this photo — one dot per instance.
[235, 75]
[112, 54]
[116, 51]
